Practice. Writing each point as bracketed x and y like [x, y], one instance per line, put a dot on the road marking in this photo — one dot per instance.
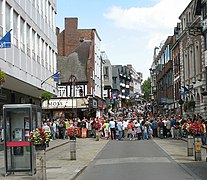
[133, 160]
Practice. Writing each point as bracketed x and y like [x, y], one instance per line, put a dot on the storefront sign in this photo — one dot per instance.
[65, 103]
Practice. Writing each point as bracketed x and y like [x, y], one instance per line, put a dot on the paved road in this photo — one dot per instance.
[134, 160]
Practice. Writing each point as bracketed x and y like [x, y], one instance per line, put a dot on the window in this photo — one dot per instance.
[38, 49]
[46, 55]
[22, 37]
[7, 17]
[204, 11]
[62, 91]
[28, 39]
[42, 52]
[50, 59]
[106, 73]
[46, 10]
[205, 40]
[33, 45]
[1, 20]
[15, 26]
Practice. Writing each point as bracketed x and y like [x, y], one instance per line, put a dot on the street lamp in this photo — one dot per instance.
[72, 80]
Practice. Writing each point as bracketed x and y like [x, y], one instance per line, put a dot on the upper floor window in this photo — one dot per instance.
[15, 28]
[204, 11]
[22, 36]
[106, 73]
[7, 17]
[1, 20]
[28, 39]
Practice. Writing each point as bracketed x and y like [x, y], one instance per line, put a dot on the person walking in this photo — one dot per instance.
[106, 129]
[120, 127]
[112, 126]
[154, 127]
[130, 130]
[125, 129]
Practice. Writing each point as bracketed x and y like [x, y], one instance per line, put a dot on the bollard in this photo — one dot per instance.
[97, 135]
[190, 145]
[72, 149]
[41, 164]
[197, 145]
[161, 132]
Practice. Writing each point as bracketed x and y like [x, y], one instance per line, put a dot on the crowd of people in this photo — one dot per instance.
[125, 126]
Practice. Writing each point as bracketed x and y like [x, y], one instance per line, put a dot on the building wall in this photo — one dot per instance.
[192, 59]
[32, 56]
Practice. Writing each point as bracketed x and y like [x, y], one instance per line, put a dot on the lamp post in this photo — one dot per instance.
[72, 80]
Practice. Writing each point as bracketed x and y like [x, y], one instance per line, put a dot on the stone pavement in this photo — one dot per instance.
[62, 168]
[177, 150]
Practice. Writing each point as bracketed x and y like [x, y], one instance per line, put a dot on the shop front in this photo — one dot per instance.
[65, 108]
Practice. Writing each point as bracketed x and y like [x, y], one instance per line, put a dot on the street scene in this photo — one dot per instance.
[92, 159]
[103, 89]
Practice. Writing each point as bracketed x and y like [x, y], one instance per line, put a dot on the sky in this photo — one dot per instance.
[129, 29]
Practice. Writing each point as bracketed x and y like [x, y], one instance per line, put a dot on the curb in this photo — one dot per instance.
[56, 146]
[78, 173]
[185, 168]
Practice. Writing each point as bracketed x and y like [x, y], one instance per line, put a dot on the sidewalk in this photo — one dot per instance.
[177, 150]
[60, 166]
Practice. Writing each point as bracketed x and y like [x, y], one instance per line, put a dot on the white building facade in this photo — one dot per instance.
[31, 60]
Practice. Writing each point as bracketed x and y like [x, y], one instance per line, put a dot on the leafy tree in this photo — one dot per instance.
[45, 96]
[2, 77]
[146, 88]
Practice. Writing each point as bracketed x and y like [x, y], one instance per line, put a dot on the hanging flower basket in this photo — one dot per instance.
[39, 138]
[196, 129]
[72, 133]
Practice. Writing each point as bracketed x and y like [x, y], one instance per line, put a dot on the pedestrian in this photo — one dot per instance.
[130, 130]
[106, 129]
[125, 129]
[145, 130]
[120, 128]
[177, 129]
[154, 127]
[112, 126]
[172, 123]
[203, 136]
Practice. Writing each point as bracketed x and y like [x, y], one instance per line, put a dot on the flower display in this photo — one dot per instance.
[39, 136]
[196, 129]
[72, 132]
[186, 126]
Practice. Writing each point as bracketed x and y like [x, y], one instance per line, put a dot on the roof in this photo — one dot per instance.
[75, 63]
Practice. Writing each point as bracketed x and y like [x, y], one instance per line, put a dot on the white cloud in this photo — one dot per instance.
[150, 26]
[156, 21]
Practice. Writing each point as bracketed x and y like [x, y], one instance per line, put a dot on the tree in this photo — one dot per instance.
[146, 89]
[45, 96]
[2, 77]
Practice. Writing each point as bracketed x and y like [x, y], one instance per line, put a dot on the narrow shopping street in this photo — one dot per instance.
[142, 160]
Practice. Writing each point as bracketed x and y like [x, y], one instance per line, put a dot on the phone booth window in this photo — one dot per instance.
[17, 130]
[1, 129]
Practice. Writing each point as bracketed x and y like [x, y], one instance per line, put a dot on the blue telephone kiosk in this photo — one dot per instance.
[19, 121]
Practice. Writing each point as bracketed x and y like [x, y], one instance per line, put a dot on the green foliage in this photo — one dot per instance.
[146, 89]
[45, 96]
[2, 77]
